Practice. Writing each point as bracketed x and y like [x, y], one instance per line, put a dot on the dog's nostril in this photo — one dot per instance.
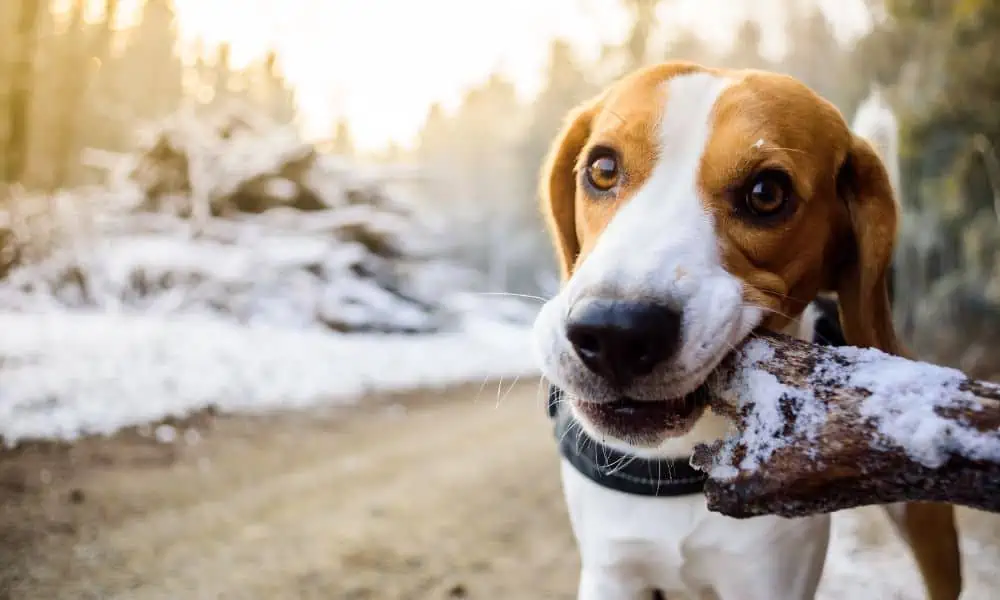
[622, 340]
[642, 353]
[585, 341]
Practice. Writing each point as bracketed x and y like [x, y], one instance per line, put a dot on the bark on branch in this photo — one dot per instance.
[821, 429]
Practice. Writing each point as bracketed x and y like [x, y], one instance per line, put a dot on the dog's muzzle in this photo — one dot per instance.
[617, 470]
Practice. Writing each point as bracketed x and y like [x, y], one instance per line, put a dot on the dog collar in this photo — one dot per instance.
[617, 470]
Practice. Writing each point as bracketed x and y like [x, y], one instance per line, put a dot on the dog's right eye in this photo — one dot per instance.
[603, 172]
[768, 194]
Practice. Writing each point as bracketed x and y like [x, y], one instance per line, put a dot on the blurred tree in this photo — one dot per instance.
[685, 44]
[643, 23]
[17, 85]
[435, 134]
[45, 99]
[487, 127]
[343, 141]
[222, 75]
[943, 59]
[566, 85]
[150, 61]
[745, 52]
[434, 152]
[815, 57]
[85, 48]
[269, 91]
[955, 50]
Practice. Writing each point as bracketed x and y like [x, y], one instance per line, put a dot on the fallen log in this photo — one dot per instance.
[820, 429]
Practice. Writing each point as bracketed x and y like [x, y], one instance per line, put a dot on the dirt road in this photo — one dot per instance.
[428, 496]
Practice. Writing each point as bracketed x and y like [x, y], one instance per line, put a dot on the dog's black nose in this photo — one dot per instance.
[621, 340]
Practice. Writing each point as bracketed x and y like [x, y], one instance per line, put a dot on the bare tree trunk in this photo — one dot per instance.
[643, 22]
[81, 52]
[821, 429]
[20, 86]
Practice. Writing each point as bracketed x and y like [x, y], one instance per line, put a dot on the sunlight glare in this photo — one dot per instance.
[382, 63]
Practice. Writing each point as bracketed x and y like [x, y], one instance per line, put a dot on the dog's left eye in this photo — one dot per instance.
[768, 193]
[602, 172]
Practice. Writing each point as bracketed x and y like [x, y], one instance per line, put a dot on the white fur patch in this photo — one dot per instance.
[661, 245]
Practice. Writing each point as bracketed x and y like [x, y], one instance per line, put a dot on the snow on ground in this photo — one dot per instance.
[867, 559]
[67, 374]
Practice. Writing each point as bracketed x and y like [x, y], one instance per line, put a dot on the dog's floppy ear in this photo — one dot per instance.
[862, 275]
[557, 187]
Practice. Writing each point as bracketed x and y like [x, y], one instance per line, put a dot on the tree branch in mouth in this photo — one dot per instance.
[820, 429]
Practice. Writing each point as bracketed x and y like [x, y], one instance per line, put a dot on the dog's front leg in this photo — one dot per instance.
[603, 585]
[764, 558]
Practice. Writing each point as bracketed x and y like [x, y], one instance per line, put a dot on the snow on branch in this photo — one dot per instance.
[821, 429]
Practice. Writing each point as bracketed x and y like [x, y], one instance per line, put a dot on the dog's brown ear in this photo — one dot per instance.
[557, 187]
[862, 274]
[866, 318]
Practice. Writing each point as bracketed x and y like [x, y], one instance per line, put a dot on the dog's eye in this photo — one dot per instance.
[602, 172]
[768, 193]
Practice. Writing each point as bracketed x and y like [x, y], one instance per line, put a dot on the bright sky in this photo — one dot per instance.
[382, 63]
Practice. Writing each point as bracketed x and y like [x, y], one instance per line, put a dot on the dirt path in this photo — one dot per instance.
[435, 495]
[428, 496]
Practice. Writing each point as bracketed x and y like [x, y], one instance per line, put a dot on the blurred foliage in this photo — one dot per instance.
[87, 81]
[943, 60]
[487, 153]
[91, 82]
[936, 61]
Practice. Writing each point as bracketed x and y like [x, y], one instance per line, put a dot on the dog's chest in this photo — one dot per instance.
[641, 537]
[674, 544]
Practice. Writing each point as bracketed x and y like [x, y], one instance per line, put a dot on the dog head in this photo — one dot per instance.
[690, 206]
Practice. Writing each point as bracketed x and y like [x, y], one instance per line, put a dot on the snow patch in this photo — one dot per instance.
[906, 402]
[67, 375]
[775, 414]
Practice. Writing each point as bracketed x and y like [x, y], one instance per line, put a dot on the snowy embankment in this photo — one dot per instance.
[66, 375]
[230, 264]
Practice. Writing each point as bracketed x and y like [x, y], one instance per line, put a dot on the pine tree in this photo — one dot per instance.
[18, 83]
[566, 85]
[83, 50]
[643, 16]
[43, 130]
[151, 62]
[745, 52]
[945, 60]
[222, 76]
[812, 48]
[434, 136]
[343, 141]
[687, 45]
[279, 97]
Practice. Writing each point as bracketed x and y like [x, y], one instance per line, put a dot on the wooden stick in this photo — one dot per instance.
[821, 429]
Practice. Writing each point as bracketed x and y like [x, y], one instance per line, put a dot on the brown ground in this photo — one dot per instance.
[431, 495]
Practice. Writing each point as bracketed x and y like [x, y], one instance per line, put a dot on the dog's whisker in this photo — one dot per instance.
[513, 295]
[620, 463]
[482, 386]
[510, 389]
[541, 393]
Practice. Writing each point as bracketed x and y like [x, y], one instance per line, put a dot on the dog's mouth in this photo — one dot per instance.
[645, 421]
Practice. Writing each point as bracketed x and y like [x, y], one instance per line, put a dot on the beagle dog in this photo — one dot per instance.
[689, 207]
